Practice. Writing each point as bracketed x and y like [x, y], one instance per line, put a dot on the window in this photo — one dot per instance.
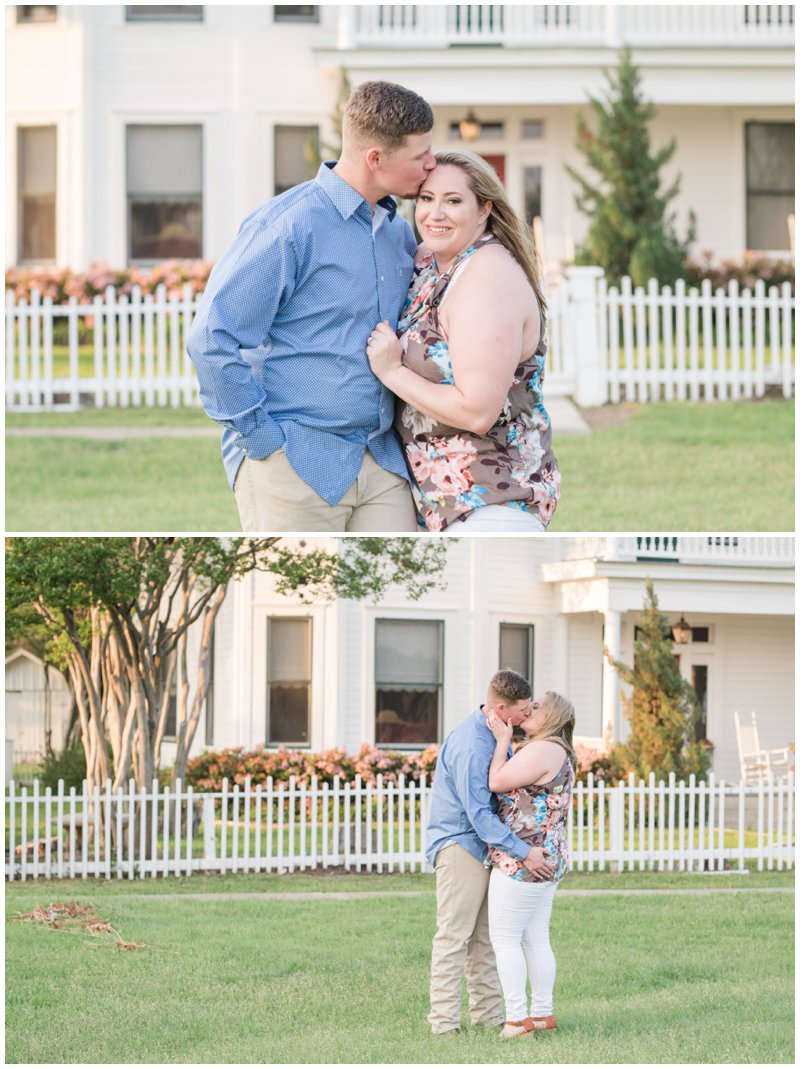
[770, 183]
[533, 129]
[165, 200]
[164, 13]
[295, 13]
[516, 649]
[36, 193]
[288, 680]
[532, 179]
[37, 13]
[701, 634]
[700, 684]
[296, 147]
[209, 734]
[408, 682]
[490, 131]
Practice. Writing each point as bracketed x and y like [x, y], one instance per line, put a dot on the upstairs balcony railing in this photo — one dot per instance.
[424, 26]
[760, 550]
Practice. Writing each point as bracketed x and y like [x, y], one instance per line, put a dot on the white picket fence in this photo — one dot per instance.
[605, 345]
[380, 827]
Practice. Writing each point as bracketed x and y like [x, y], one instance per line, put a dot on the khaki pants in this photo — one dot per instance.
[462, 944]
[271, 496]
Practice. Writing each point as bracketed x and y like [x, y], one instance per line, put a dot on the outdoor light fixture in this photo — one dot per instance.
[470, 128]
[682, 632]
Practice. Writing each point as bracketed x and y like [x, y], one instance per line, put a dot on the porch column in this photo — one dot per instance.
[560, 661]
[612, 640]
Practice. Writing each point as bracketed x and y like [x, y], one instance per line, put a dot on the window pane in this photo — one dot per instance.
[289, 652]
[288, 713]
[767, 226]
[532, 128]
[292, 150]
[407, 716]
[532, 177]
[37, 228]
[408, 651]
[164, 13]
[37, 160]
[167, 229]
[770, 157]
[165, 160]
[296, 12]
[36, 12]
[515, 644]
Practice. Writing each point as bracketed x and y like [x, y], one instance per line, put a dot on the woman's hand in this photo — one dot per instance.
[384, 352]
[501, 730]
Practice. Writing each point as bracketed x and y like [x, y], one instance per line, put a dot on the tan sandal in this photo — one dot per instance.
[527, 1026]
[513, 1029]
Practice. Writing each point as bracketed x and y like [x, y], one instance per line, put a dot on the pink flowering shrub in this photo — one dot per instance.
[59, 283]
[747, 271]
[207, 771]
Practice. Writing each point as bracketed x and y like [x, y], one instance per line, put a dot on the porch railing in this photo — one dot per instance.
[379, 827]
[545, 25]
[760, 550]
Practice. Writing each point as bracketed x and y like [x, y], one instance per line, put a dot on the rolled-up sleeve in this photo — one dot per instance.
[470, 778]
[244, 293]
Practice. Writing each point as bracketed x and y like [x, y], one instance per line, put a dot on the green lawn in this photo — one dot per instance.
[674, 467]
[681, 467]
[262, 980]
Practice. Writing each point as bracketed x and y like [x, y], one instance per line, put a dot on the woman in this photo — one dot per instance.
[534, 789]
[469, 362]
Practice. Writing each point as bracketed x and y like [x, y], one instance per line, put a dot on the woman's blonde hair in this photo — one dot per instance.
[558, 724]
[503, 222]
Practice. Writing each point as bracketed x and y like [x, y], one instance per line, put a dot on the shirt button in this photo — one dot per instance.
[381, 278]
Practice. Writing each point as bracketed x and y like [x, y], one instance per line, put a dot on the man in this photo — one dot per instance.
[279, 342]
[462, 821]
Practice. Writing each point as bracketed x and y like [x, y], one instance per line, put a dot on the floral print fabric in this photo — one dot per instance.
[538, 815]
[455, 471]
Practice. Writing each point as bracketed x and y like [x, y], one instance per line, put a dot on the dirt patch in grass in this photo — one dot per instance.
[77, 918]
[608, 415]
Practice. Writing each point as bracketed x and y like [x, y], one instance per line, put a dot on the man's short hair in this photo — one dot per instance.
[509, 686]
[386, 114]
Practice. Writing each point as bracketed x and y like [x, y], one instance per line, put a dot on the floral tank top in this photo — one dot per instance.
[455, 471]
[538, 815]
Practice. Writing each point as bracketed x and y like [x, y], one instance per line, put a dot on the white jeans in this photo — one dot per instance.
[498, 518]
[519, 927]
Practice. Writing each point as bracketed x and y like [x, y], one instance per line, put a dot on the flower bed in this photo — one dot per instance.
[206, 772]
[59, 283]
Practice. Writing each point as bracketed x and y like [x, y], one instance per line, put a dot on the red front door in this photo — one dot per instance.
[499, 164]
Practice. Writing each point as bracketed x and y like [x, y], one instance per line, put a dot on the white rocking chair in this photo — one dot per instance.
[754, 762]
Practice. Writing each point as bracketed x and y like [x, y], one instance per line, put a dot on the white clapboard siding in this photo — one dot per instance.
[130, 833]
[637, 344]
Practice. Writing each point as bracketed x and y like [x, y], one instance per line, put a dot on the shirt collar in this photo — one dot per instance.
[344, 198]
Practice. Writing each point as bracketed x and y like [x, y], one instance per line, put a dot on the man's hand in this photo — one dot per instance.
[537, 864]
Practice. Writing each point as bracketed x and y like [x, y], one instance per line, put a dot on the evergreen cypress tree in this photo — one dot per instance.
[630, 231]
[662, 708]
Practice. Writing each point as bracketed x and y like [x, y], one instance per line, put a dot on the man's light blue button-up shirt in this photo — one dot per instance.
[463, 810]
[279, 341]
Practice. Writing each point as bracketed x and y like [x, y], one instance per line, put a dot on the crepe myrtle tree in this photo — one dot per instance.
[115, 613]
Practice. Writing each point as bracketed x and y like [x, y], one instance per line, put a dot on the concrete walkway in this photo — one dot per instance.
[565, 416]
[113, 434]
[342, 896]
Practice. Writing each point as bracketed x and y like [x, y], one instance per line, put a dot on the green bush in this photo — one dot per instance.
[69, 765]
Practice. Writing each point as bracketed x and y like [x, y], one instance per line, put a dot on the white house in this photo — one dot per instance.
[37, 704]
[402, 673]
[142, 132]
